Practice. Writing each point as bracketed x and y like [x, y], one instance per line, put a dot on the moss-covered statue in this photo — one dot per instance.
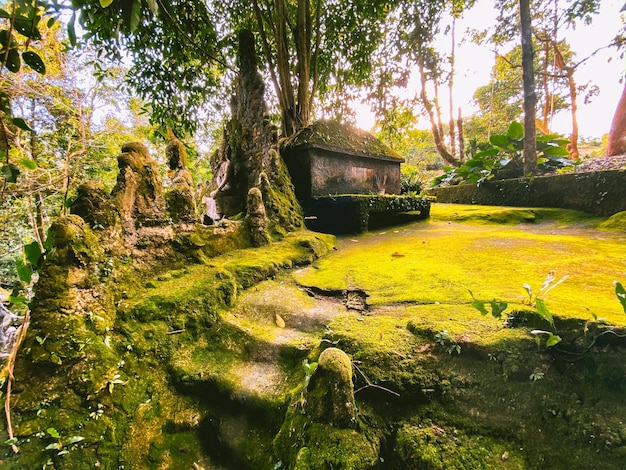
[181, 205]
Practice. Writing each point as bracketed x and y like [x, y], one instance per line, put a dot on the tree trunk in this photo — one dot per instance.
[573, 146]
[616, 144]
[437, 135]
[290, 121]
[459, 125]
[302, 35]
[452, 129]
[530, 99]
[545, 118]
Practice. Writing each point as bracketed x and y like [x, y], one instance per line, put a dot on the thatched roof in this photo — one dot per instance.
[340, 138]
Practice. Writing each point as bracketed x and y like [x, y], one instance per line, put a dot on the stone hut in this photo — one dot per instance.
[329, 158]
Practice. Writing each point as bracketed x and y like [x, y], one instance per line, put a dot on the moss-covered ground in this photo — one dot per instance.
[207, 359]
[462, 390]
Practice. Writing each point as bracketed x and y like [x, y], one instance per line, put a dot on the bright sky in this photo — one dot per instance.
[473, 66]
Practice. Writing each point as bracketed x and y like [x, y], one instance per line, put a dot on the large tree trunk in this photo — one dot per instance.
[530, 99]
[616, 145]
[437, 134]
[451, 123]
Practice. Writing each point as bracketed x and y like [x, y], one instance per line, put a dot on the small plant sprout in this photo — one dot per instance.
[116, 380]
[445, 340]
[60, 446]
[497, 308]
[620, 292]
[309, 369]
[552, 339]
[537, 375]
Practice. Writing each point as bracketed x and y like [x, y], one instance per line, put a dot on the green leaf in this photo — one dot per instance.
[32, 251]
[10, 172]
[515, 131]
[132, 15]
[544, 312]
[24, 272]
[478, 305]
[14, 300]
[620, 292]
[556, 152]
[19, 122]
[28, 164]
[13, 62]
[499, 140]
[47, 244]
[53, 446]
[492, 152]
[35, 62]
[497, 308]
[552, 340]
[105, 3]
[28, 27]
[71, 31]
[73, 440]
[53, 432]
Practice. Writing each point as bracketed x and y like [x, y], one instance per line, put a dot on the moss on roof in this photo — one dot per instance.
[333, 135]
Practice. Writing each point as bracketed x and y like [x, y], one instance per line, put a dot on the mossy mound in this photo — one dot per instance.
[97, 381]
[617, 223]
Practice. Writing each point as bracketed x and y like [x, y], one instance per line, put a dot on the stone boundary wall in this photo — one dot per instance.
[599, 192]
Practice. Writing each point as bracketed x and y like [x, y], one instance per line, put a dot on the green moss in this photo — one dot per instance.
[334, 135]
[439, 261]
[429, 446]
[616, 223]
[308, 445]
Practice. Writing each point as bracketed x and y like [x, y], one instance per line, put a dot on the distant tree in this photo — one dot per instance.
[59, 143]
[183, 50]
[419, 22]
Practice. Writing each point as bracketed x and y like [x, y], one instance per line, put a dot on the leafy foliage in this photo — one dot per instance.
[503, 153]
[498, 308]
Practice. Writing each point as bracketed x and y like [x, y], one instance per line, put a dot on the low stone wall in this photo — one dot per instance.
[355, 213]
[599, 193]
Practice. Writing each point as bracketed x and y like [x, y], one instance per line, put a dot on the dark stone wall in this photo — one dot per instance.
[343, 174]
[598, 193]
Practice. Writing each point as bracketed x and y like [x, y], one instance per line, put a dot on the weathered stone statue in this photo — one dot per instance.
[256, 219]
[138, 193]
[323, 430]
[94, 205]
[331, 392]
[181, 205]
